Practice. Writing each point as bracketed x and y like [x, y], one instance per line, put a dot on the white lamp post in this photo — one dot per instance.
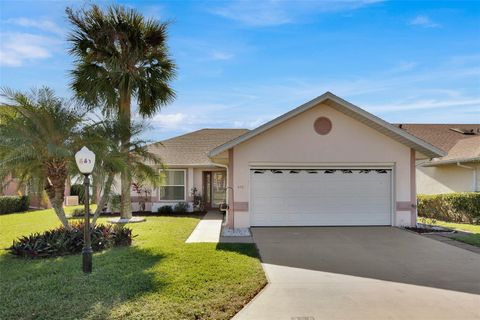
[85, 162]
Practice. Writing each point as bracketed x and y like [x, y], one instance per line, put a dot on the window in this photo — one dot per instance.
[173, 185]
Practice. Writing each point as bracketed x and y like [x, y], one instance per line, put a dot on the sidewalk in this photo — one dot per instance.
[208, 229]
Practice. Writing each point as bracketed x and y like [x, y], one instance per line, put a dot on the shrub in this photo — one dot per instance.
[78, 213]
[165, 210]
[60, 241]
[78, 190]
[451, 207]
[181, 207]
[9, 204]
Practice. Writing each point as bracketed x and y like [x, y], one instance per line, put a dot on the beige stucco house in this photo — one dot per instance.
[459, 170]
[326, 162]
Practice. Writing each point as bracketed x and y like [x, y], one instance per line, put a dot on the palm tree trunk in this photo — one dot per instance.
[125, 177]
[104, 199]
[55, 188]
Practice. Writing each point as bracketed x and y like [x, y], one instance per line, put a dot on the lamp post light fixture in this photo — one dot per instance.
[85, 160]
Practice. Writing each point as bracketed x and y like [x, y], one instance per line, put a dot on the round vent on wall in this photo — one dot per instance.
[322, 126]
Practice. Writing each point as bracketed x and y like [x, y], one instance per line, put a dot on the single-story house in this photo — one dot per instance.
[326, 162]
[459, 170]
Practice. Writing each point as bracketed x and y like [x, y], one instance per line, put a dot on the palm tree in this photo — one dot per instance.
[120, 56]
[38, 134]
[105, 139]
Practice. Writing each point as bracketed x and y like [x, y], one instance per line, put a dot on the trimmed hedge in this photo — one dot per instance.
[450, 207]
[9, 204]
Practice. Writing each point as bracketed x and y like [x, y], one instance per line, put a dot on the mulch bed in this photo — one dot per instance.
[427, 230]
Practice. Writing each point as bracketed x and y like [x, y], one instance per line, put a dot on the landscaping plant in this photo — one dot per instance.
[120, 56]
[39, 137]
[450, 207]
[62, 241]
[9, 204]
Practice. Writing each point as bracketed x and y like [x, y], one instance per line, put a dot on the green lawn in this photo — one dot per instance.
[159, 277]
[473, 239]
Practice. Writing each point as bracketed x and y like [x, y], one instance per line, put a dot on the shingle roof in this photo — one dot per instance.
[440, 135]
[193, 148]
[460, 147]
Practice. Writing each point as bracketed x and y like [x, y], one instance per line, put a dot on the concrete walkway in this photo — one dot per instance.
[362, 273]
[208, 229]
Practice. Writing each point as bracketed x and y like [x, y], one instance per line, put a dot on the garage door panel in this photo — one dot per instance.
[283, 197]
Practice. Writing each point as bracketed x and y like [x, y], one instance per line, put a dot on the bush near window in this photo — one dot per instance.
[450, 207]
[167, 210]
[60, 241]
[181, 207]
[9, 204]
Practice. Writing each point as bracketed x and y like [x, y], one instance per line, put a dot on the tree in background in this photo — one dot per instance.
[120, 57]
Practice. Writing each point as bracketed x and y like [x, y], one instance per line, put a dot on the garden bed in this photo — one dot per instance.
[429, 229]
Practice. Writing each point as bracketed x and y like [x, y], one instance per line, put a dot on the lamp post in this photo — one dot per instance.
[85, 160]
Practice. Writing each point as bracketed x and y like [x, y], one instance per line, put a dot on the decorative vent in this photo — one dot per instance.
[365, 171]
[276, 171]
[381, 171]
[312, 171]
[329, 171]
[322, 126]
[295, 171]
[347, 171]
[259, 171]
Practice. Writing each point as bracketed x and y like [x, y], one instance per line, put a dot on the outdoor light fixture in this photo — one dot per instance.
[85, 162]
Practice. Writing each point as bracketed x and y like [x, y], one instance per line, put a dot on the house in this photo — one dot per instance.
[326, 162]
[459, 170]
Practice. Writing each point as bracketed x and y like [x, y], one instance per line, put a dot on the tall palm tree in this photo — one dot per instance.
[38, 134]
[105, 138]
[121, 56]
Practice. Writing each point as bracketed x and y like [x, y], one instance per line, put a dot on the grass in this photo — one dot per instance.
[473, 239]
[159, 277]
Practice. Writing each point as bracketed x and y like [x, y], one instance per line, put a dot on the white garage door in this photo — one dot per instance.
[320, 197]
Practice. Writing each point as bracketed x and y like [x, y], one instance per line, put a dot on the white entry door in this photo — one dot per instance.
[320, 197]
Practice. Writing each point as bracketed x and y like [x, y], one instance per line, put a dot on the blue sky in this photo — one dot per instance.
[242, 63]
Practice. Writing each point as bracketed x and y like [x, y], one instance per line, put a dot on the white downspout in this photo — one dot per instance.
[474, 174]
[226, 191]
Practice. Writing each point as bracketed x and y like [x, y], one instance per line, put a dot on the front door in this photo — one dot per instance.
[214, 188]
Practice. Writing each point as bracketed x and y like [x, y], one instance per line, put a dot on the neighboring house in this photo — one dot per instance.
[459, 170]
[326, 162]
[10, 187]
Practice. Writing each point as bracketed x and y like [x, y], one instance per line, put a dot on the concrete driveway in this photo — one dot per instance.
[363, 273]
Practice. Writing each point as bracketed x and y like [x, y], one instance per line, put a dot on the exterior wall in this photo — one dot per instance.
[296, 142]
[446, 179]
[11, 189]
[194, 179]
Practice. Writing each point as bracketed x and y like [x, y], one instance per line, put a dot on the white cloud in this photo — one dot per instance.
[252, 123]
[274, 12]
[423, 21]
[220, 55]
[17, 48]
[41, 24]
[170, 121]
[424, 104]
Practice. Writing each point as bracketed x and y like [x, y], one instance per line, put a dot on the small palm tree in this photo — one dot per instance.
[105, 139]
[121, 56]
[39, 132]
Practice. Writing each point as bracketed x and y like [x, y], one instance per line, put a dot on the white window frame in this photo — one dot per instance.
[175, 185]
